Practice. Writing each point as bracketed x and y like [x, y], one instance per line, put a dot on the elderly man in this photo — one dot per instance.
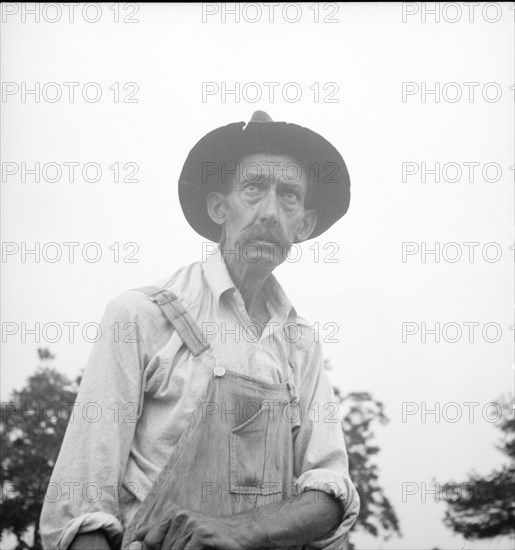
[207, 389]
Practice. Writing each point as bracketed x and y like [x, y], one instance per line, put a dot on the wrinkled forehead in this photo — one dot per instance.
[277, 168]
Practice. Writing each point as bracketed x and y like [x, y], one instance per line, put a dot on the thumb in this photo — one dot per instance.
[194, 544]
[152, 534]
[141, 533]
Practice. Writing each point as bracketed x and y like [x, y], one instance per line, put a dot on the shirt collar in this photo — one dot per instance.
[219, 281]
[216, 274]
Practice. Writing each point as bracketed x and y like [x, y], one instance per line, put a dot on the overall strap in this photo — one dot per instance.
[291, 337]
[180, 319]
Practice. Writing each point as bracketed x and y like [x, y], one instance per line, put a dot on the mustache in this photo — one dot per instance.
[266, 233]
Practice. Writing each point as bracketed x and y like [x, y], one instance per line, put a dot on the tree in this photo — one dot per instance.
[360, 412]
[484, 506]
[32, 428]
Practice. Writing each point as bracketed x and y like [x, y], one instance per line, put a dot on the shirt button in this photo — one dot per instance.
[219, 371]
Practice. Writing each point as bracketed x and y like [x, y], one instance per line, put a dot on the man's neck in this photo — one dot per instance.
[250, 282]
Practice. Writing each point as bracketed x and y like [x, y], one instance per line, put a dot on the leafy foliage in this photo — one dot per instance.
[32, 428]
[360, 415]
[484, 507]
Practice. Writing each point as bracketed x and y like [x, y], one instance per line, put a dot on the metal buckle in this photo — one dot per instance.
[204, 351]
[152, 296]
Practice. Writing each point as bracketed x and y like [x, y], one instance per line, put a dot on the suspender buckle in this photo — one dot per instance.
[179, 318]
[153, 295]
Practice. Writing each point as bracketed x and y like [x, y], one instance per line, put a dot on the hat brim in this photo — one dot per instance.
[221, 148]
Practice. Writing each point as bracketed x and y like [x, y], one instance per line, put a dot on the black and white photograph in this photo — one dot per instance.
[257, 276]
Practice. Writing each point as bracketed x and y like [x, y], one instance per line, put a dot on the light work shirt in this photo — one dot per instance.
[139, 390]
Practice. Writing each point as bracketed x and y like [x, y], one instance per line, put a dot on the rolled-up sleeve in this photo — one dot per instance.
[321, 460]
[87, 480]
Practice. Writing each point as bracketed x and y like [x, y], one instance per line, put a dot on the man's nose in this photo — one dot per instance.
[269, 208]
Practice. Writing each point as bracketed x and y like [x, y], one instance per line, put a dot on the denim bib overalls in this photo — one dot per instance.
[237, 450]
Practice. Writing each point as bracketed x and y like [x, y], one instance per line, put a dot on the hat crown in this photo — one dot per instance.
[261, 116]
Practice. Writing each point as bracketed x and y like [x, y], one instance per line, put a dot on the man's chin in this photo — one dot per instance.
[263, 252]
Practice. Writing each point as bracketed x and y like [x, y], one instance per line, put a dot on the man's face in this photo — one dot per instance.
[264, 211]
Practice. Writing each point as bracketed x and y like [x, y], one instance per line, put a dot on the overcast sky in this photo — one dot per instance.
[350, 75]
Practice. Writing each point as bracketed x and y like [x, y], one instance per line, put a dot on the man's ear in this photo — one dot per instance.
[307, 225]
[216, 207]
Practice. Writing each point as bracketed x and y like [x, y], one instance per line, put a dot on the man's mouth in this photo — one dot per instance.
[267, 239]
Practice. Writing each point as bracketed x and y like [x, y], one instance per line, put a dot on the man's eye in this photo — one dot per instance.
[251, 188]
[291, 197]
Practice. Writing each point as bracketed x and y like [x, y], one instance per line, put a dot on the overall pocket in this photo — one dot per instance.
[257, 455]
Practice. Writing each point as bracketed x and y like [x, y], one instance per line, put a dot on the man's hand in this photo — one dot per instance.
[188, 530]
[95, 540]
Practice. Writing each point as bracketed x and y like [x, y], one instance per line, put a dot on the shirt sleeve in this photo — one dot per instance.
[321, 460]
[87, 480]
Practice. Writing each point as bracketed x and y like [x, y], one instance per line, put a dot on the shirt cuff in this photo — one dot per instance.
[92, 522]
[340, 486]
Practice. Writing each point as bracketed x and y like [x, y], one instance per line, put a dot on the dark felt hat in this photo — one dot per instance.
[211, 159]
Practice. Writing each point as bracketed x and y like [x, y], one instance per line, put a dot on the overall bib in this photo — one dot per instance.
[237, 450]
